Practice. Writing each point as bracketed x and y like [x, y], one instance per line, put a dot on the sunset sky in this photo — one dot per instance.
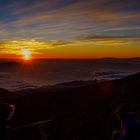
[70, 28]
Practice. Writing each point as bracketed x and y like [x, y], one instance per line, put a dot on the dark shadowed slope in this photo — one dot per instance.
[85, 113]
[6, 96]
[57, 87]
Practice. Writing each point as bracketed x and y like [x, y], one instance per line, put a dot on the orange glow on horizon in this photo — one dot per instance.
[62, 56]
[102, 47]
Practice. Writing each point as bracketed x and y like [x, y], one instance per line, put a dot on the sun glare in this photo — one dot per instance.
[26, 55]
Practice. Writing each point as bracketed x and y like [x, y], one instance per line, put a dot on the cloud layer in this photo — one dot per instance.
[58, 19]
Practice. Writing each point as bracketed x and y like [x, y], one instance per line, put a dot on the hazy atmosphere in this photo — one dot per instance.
[18, 75]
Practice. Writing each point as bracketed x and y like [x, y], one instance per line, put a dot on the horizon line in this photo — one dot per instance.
[72, 58]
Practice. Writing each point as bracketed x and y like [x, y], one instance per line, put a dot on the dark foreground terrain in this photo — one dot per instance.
[83, 113]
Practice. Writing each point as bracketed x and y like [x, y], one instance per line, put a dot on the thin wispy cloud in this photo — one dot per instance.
[69, 14]
[59, 23]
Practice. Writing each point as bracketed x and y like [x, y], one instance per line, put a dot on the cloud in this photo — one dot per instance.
[84, 47]
[34, 45]
[59, 42]
[69, 18]
[103, 37]
[123, 28]
[53, 25]
[11, 83]
[107, 75]
[103, 40]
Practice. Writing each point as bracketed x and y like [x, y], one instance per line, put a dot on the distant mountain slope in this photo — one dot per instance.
[6, 96]
[57, 87]
[83, 112]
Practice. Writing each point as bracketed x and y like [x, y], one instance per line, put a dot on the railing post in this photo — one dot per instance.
[43, 132]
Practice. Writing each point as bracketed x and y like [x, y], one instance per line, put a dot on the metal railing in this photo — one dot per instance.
[32, 124]
[30, 131]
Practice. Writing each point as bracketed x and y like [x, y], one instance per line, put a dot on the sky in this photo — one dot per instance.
[70, 28]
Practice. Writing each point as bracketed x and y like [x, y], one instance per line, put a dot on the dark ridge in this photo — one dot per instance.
[57, 87]
[85, 113]
[6, 96]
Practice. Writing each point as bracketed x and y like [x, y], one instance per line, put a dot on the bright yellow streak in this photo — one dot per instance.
[80, 48]
[26, 55]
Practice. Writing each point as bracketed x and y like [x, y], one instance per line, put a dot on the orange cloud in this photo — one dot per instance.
[88, 47]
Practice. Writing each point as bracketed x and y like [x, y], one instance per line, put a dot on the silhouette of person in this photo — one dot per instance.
[130, 126]
[6, 111]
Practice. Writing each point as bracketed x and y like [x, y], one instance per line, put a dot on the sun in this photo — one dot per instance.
[26, 54]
